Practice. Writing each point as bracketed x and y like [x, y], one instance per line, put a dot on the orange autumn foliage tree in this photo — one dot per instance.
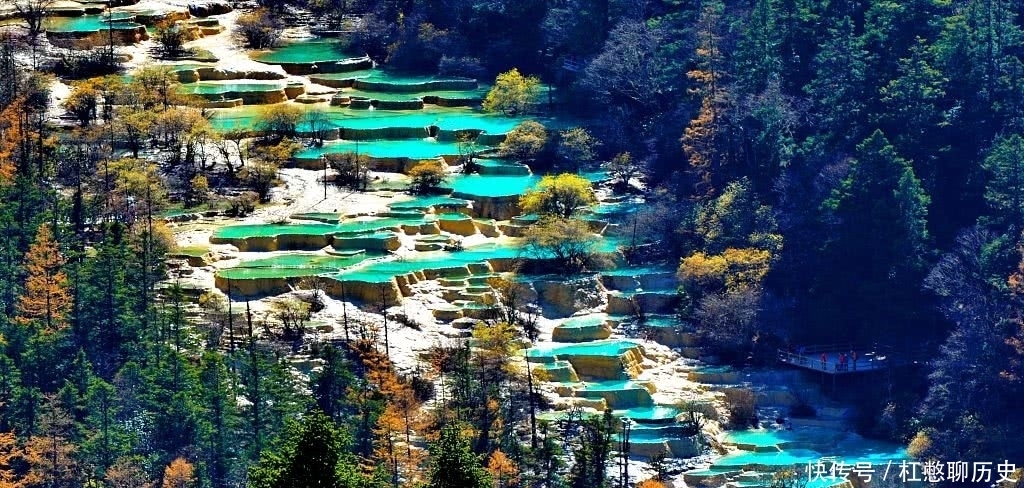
[15, 463]
[11, 135]
[178, 474]
[1013, 373]
[57, 463]
[127, 472]
[502, 469]
[651, 483]
[700, 140]
[399, 422]
[45, 303]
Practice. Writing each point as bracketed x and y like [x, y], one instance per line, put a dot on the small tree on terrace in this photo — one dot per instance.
[576, 146]
[353, 169]
[83, 102]
[512, 93]
[525, 141]
[427, 176]
[568, 241]
[261, 174]
[622, 169]
[316, 120]
[466, 143]
[172, 36]
[559, 196]
[34, 12]
[277, 122]
[293, 315]
[259, 28]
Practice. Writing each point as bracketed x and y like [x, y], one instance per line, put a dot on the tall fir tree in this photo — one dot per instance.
[881, 199]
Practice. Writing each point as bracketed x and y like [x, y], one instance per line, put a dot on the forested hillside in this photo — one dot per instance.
[819, 171]
[872, 148]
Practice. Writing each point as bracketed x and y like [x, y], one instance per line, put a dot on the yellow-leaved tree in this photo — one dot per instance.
[732, 271]
[559, 196]
[512, 93]
[525, 141]
[737, 243]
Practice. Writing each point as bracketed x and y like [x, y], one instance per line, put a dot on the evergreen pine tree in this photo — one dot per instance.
[453, 465]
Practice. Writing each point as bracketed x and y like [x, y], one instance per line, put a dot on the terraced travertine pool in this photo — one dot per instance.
[364, 267]
[444, 118]
[618, 210]
[492, 186]
[477, 93]
[91, 23]
[501, 167]
[609, 385]
[377, 271]
[770, 449]
[424, 202]
[388, 76]
[324, 217]
[293, 265]
[608, 348]
[381, 80]
[585, 321]
[188, 66]
[307, 51]
[426, 148]
[479, 185]
[216, 88]
[874, 452]
[652, 414]
[779, 437]
[317, 229]
[271, 230]
[387, 270]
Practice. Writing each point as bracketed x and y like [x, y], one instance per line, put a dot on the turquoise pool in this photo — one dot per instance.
[608, 347]
[426, 148]
[362, 224]
[90, 23]
[446, 119]
[292, 265]
[310, 51]
[492, 186]
[215, 88]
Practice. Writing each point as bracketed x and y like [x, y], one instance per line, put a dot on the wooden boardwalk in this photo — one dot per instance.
[834, 360]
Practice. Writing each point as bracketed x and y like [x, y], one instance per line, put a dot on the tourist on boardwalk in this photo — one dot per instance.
[853, 355]
[842, 362]
[824, 360]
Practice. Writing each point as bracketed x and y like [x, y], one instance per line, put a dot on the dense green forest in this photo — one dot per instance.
[821, 171]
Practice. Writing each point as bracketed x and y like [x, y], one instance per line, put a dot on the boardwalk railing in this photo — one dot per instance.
[833, 359]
